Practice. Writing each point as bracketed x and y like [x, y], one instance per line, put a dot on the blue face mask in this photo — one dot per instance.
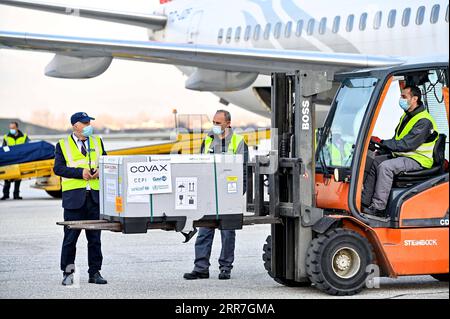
[217, 129]
[404, 104]
[88, 131]
[12, 132]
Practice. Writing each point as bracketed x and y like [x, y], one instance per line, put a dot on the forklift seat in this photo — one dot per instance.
[405, 179]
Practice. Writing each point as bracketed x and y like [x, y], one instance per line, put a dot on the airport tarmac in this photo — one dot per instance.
[149, 265]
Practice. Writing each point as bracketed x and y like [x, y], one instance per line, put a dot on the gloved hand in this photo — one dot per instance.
[376, 139]
[375, 144]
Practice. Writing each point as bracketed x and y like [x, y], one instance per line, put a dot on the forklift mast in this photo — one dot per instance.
[289, 170]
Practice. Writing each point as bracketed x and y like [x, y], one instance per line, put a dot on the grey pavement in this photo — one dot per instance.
[148, 265]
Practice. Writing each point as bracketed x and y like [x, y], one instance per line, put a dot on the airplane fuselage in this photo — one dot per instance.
[414, 28]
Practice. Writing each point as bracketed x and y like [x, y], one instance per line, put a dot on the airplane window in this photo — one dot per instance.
[323, 26]
[299, 28]
[237, 36]
[350, 20]
[435, 13]
[336, 24]
[446, 15]
[248, 32]
[257, 32]
[377, 21]
[406, 17]
[277, 30]
[267, 31]
[391, 18]
[311, 24]
[420, 15]
[229, 33]
[220, 36]
[363, 22]
[288, 30]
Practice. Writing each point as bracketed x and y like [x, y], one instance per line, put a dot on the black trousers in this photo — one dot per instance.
[7, 186]
[89, 211]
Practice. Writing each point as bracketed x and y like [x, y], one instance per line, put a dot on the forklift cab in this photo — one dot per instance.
[367, 105]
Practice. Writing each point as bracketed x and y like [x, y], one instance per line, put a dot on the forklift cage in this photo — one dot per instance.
[289, 170]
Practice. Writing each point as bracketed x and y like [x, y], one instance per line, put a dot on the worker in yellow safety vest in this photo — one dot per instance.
[411, 150]
[339, 151]
[223, 140]
[76, 161]
[13, 138]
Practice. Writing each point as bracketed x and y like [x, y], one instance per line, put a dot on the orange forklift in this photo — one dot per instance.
[314, 179]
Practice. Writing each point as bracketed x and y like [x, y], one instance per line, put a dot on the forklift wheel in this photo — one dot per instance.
[441, 277]
[337, 260]
[55, 194]
[267, 258]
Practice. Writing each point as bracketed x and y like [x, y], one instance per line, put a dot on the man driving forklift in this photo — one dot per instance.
[411, 149]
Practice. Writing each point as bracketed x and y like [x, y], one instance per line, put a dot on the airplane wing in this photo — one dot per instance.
[154, 22]
[262, 61]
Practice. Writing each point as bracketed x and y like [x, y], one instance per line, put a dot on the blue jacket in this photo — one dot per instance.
[73, 199]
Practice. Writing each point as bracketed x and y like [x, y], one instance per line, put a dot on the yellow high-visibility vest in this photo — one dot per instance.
[424, 153]
[10, 141]
[236, 139]
[74, 158]
[340, 157]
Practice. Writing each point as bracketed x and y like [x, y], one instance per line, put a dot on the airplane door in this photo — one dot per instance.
[194, 26]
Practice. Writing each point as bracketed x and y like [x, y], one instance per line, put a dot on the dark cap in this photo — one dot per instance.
[80, 117]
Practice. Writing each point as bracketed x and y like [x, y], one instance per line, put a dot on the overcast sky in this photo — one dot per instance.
[127, 92]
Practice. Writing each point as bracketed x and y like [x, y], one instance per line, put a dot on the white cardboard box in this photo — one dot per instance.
[137, 190]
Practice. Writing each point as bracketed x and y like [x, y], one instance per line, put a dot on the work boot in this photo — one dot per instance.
[224, 275]
[196, 275]
[4, 197]
[97, 279]
[67, 279]
[17, 197]
[371, 210]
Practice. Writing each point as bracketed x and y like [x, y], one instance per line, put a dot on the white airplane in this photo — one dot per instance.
[230, 47]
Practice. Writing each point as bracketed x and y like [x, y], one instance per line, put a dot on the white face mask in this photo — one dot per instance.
[403, 104]
[88, 131]
[217, 129]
